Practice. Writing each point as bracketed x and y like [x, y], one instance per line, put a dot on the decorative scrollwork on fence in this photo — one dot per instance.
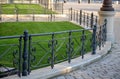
[15, 58]
[101, 35]
[83, 38]
[33, 58]
[104, 34]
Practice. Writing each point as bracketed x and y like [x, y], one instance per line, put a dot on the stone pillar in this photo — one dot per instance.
[107, 12]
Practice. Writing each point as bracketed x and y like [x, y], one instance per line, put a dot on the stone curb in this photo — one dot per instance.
[65, 67]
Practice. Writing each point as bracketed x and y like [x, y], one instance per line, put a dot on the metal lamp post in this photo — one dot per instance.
[107, 6]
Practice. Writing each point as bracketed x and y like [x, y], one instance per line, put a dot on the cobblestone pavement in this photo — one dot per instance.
[106, 68]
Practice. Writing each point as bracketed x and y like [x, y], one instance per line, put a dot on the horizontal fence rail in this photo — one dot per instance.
[30, 51]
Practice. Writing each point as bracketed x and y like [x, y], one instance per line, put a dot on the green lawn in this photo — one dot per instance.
[24, 9]
[16, 28]
[41, 43]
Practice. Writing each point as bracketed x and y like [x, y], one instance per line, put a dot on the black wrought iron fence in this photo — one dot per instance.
[83, 18]
[10, 55]
[33, 17]
[20, 54]
[0, 14]
[102, 34]
[26, 11]
[20, 1]
[30, 15]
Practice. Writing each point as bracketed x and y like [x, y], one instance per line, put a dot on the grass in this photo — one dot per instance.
[41, 44]
[17, 28]
[24, 9]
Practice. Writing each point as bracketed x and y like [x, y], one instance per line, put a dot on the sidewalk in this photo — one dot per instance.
[106, 68]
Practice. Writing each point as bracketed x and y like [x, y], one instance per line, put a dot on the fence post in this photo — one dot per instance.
[51, 17]
[83, 38]
[80, 17]
[20, 56]
[0, 13]
[87, 19]
[94, 40]
[77, 16]
[62, 8]
[16, 12]
[29, 54]
[100, 37]
[96, 20]
[25, 55]
[33, 16]
[105, 30]
[0, 16]
[70, 47]
[91, 23]
[71, 13]
[84, 19]
[53, 51]
[74, 15]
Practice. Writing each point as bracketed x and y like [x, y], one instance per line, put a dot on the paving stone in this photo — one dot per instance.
[61, 77]
[86, 76]
[54, 78]
[116, 76]
[97, 78]
[69, 77]
[77, 75]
